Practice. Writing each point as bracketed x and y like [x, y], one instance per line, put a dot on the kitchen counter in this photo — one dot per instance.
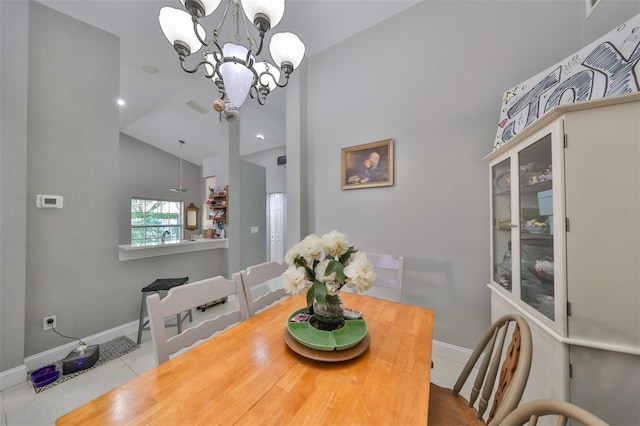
[131, 252]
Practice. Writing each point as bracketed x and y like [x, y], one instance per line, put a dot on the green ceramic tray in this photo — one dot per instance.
[344, 338]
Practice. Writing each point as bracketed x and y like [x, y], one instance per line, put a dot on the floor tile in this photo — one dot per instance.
[3, 420]
[17, 397]
[28, 408]
[142, 359]
[445, 373]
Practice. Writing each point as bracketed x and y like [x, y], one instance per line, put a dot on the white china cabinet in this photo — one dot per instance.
[565, 251]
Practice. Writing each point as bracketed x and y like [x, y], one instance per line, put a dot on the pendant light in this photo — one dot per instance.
[180, 188]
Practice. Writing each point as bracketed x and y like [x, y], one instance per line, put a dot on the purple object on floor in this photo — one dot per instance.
[45, 375]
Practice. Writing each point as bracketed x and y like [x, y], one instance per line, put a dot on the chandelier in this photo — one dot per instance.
[233, 66]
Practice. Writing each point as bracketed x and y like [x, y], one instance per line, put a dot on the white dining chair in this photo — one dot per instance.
[185, 297]
[389, 271]
[262, 285]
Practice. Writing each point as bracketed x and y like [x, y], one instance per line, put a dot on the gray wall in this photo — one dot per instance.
[276, 175]
[299, 193]
[252, 212]
[73, 149]
[13, 180]
[432, 78]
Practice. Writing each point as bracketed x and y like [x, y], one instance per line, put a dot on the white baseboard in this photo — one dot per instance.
[13, 377]
[452, 352]
[18, 374]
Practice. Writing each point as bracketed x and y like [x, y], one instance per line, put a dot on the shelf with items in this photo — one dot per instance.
[523, 231]
[502, 225]
[219, 204]
[537, 187]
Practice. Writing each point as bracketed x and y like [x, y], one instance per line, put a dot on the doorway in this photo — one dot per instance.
[275, 213]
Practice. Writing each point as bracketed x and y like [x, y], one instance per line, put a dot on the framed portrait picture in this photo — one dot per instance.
[368, 165]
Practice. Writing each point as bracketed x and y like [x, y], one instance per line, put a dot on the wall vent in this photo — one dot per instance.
[591, 5]
[197, 107]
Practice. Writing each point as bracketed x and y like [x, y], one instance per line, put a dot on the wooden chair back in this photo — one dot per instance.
[262, 285]
[493, 355]
[183, 298]
[514, 372]
[530, 412]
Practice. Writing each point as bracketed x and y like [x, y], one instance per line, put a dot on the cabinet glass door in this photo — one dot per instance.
[536, 227]
[501, 174]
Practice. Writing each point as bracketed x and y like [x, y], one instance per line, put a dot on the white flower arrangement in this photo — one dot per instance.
[323, 265]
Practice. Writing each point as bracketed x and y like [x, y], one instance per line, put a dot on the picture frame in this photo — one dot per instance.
[367, 165]
[192, 214]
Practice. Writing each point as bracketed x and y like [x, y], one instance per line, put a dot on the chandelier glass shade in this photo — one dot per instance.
[273, 10]
[235, 74]
[238, 68]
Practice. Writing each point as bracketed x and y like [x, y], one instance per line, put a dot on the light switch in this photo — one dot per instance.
[254, 229]
[48, 201]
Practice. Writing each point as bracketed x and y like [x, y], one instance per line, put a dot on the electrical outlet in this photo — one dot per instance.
[49, 322]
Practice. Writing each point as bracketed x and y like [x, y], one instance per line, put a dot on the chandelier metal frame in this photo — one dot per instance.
[266, 76]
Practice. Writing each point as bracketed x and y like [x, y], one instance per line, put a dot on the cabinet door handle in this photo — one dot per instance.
[513, 226]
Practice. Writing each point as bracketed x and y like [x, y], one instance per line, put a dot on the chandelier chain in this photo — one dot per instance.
[216, 31]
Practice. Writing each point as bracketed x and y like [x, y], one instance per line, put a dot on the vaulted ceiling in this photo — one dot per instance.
[164, 104]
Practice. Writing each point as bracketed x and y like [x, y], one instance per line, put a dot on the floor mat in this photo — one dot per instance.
[108, 351]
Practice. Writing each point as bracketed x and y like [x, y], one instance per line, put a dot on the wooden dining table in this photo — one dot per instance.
[248, 375]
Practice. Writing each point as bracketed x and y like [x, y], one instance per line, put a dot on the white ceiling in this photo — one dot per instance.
[156, 110]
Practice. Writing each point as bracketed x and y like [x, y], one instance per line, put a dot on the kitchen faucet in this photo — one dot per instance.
[164, 234]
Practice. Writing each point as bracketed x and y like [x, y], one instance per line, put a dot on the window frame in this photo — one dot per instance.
[153, 232]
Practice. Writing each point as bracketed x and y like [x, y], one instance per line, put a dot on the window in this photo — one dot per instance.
[151, 219]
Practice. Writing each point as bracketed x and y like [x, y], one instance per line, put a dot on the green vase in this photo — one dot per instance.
[328, 317]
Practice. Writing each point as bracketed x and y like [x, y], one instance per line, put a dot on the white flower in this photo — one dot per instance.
[292, 254]
[359, 271]
[309, 259]
[295, 280]
[335, 244]
[311, 249]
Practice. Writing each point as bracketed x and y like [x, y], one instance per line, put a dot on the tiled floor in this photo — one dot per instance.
[22, 406]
